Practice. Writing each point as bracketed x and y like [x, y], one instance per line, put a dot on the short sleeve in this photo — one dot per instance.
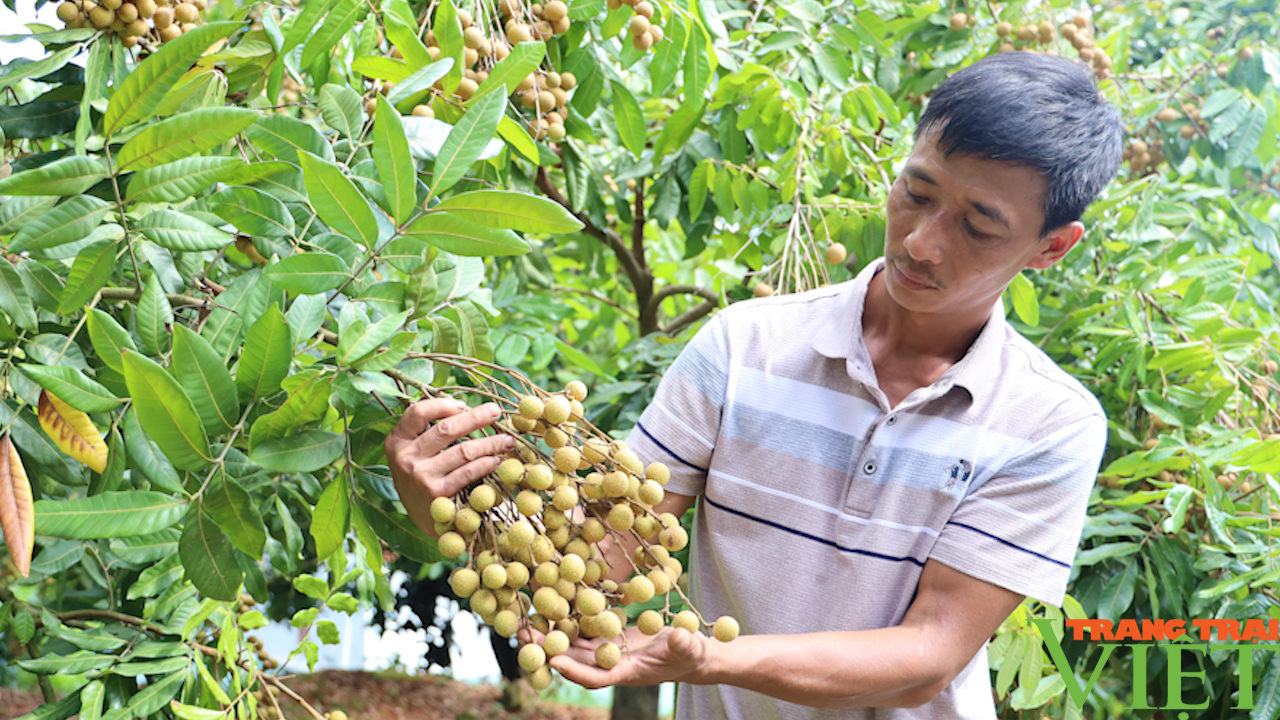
[680, 426]
[1021, 528]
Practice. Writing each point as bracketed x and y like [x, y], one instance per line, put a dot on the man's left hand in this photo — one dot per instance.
[673, 655]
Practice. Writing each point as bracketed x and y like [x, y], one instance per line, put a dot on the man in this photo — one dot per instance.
[886, 469]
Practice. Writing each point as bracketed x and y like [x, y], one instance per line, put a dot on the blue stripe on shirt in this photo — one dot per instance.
[815, 538]
[1006, 542]
[668, 450]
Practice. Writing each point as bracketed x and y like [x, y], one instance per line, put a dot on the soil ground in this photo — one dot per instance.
[370, 696]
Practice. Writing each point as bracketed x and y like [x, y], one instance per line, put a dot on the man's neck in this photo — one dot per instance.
[914, 349]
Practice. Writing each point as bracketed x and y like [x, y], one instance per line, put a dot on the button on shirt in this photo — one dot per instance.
[820, 503]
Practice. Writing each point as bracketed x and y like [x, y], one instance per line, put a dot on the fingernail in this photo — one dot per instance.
[459, 405]
[492, 410]
[508, 442]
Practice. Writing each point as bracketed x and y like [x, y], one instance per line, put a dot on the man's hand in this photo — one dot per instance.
[673, 655]
[425, 462]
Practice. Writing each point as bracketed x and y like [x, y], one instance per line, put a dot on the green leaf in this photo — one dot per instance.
[137, 96]
[630, 119]
[16, 212]
[359, 339]
[475, 331]
[159, 692]
[337, 201]
[311, 586]
[1025, 304]
[308, 273]
[166, 413]
[155, 317]
[405, 38]
[68, 176]
[146, 455]
[400, 346]
[209, 558]
[195, 712]
[328, 632]
[399, 532]
[151, 667]
[329, 520]
[58, 556]
[77, 662]
[190, 133]
[252, 211]
[71, 221]
[205, 380]
[178, 231]
[511, 70]
[394, 163]
[14, 299]
[233, 509]
[268, 350]
[286, 137]
[511, 210]
[579, 358]
[177, 181]
[1117, 595]
[342, 110]
[39, 68]
[517, 138]
[71, 385]
[42, 283]
[146, 549]
[697, 67]
[93, 693]
[306, 451]
[467, 139]
[97, 71]
[462, 237]
[380, 68]
[91, 270]
[108, 515]
[341, 19]
[447, 30]
[304, 22]
[39, 119]
[157, 578]
[698, 184]
[1243, 141]
[305, 618]
[1266, 703]
[407, 92]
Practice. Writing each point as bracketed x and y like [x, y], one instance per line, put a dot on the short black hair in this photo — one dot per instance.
[1033, 110]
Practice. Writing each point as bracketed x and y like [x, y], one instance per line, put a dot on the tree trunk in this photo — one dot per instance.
[635, 703]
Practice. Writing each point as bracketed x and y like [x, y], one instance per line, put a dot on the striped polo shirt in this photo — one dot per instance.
[819, 503]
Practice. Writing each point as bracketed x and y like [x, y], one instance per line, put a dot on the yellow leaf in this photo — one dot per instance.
[72, 431]
[17, 512]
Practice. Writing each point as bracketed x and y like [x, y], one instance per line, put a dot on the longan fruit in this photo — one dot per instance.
[519, 32]
[68, 11]
[537, 476]
[472, 37]
[762, 290]
[640, 588]
[629, 460]
[464, 582]
[529, 503]
[162, 18]
[102, 17]
[590, 601]
[656, 32]
[1269, 367]
[482, 498]
[607, 625]
[555, 10]
[565, 498]
[642, 42]
[593, 530]
[1003, 29]
[467, 88]
[561, 97]
[466, 521]
[547, 573]
[556, 438]
[566, 460]
[557, 407]
[593, 450]
[621, 517]
[615, 484]
[608, 656]
[650, 622]
[443, 509]
[572, 568]
[1245, 54]
[555, 132]
[959, 21]
[186, 13]
[521, 533]
[1167, 115]
[661, 582]
[835, 253]
[644, 9]
[531, 407]
[569, 81]
[506, 623]
[725, 628]
[686, 620]
[484, 602]
[555, 643]
[639, 25]
[545, 600]
[127, 13]
[674, 539]
[510, 471]
[531, 657]
[651, 493]
[451, 545]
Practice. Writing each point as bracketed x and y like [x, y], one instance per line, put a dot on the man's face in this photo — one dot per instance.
[959, 228]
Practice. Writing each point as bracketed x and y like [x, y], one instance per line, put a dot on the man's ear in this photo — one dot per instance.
[1056, 244]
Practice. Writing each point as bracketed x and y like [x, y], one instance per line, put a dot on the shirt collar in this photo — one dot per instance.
[841, 337]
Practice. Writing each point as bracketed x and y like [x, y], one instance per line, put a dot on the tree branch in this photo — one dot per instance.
[637, 227]
[654, 307]
[135, 294]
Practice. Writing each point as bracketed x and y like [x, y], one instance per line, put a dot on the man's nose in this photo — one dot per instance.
[924, 242]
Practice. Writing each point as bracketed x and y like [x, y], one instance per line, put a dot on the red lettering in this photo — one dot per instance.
[1231, 629]
[1105, 626]
[1174, 629]
[1153, 630]
[1205, 627]
[1254, 631]
[1077, 628]
[1273, 629]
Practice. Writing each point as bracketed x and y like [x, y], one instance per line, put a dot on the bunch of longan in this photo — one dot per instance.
[530, 535]
[1078, 31]
[135, 21]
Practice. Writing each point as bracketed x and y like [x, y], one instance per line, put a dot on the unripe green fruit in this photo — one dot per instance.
[555, 643]
[466, 521]
[608, 625]
[725, 629]
[557, 408]
[443, 509]
[451, 545]
[464, 582]
[650, 622]
[523, 424]
[506, 623]
[537, 476]
[686, 620]
[483, 498]
[521, 533]
[531, 407]
[529, 503]
[510, 471]
[615, 484]
[650, 493]
[548, 573]
[565, 498]
[590, 601]
[608, 655]
[531, 657]
[621, 518]
[485, 558]
[576, 388]
[572, 568]
[494, 576]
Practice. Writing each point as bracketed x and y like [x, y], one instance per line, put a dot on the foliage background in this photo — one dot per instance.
[751, 138]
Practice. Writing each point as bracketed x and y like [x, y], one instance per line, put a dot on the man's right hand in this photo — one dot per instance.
[425, 461]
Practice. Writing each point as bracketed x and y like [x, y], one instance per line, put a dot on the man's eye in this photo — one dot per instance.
[975, 232]
[917, 199]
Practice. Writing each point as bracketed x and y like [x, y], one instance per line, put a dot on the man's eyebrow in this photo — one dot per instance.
[989, 212]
